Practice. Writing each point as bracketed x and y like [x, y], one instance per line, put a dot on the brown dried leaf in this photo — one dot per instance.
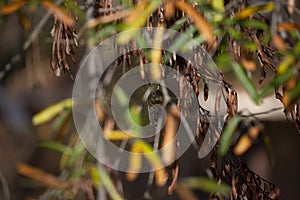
[108, 18]
[287, 26]
[11, 7]
[24, 21]
[247, 60]
[278, 42]
[169, 8]
[173, 184]
[100, 114]
[169, 140]
[232, 102]
[291, 6]
[39, 175]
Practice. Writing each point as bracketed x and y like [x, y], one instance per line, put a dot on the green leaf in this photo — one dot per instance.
[95, 176]
[56, 147]
[266, 91]
[279, 79]
[246, 82]
[253, 23]
[61, 119]
[250, 45]
[206, 185]
[107, 183]
[227, 134]
[267, 141]
[179, 23]
[282, 77]
[218, 5]
[235, 33]
[180, 42]
[135, 113]
[127, 3]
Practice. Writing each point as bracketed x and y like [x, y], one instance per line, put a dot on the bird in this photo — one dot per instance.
[156, 110]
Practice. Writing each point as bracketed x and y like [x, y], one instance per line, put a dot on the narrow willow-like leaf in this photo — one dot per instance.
[108, 184]
[267, 141]
[142, 148]
[246, 82]
[95, 176]
[218, 5]
[156, 53]
[56, 147]
[51, 111]
[248, 11]
[41, 176]
[246, 140]
[206, 185]
[227, 134]
[253, 23]
[135, 162]
[291, 95]
[61, 119]
[11, 7]
[117, 135]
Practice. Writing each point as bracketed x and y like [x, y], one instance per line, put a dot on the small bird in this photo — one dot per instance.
[156, 111]
[156, 96]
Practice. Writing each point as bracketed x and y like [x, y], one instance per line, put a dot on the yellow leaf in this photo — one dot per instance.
[156, 55]
[284, 65]
[50, 112]
[58, 11]
[141, 148]
[218, 5]
[248, 11]
[117, 135]
[135, 164]
[200, 22]
[246, 140]
[11, 7]
[136, 12]
[160, 177]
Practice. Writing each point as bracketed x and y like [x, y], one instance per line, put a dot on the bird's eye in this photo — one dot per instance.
[153, 93]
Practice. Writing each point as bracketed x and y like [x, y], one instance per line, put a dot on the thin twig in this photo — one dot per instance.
[260, 113]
